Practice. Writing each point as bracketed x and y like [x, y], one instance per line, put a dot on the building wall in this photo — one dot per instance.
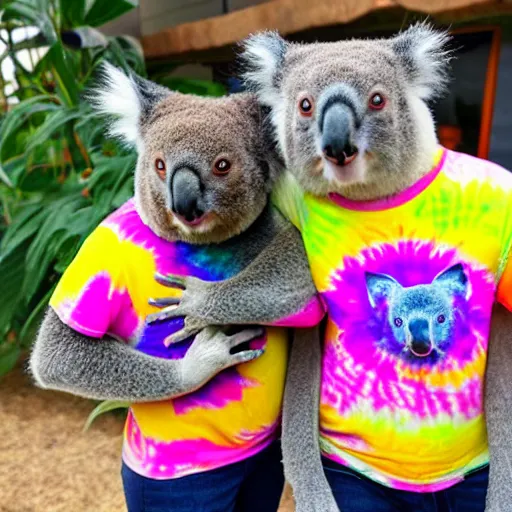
[156, 15]
[126, 25]
[501, 136]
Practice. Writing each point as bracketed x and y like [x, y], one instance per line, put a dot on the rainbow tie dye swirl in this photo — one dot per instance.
[106, 290]
[409, 283]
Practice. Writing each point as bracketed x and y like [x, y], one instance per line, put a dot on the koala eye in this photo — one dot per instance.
[160, 167]
[398, 322]
[441, 319]
[377, 101]
[221, 166]
[306, 106]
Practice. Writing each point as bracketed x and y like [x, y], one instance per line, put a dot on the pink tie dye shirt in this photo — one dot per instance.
[106, 290]
[409, 283]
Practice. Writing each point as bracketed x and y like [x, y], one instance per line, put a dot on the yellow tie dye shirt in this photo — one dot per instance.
[409, 283]
[106, 290]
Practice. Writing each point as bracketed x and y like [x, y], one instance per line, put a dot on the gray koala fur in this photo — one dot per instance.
[188, 132]
[408, 69]
[498, 407]
[65, 360]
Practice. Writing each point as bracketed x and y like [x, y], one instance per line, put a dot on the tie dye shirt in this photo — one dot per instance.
[106, 290]
[409, 283]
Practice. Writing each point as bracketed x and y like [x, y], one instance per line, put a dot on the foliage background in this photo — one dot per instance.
[59, 174]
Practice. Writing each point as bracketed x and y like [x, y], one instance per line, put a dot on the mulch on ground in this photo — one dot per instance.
[47, 464]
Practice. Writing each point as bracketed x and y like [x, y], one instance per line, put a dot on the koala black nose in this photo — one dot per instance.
[186, 195]
[421, 345]
[188, 209]
[337, 126]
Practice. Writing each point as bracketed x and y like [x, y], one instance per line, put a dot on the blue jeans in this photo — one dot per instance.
[356, 493]
[252, 485]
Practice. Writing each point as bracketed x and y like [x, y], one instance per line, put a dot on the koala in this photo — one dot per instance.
[421, 317]
[197, 182]
[322, 98]
[353, 125]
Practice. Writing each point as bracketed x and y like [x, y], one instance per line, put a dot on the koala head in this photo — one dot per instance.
[205, 166]
[421, 317]
[351, 116]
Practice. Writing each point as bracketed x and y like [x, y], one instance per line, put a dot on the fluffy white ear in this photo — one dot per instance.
[127, 100]
[425, 58]
[263, 56]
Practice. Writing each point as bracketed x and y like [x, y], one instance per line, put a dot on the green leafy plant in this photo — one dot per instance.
[102, 408]
[59, 175]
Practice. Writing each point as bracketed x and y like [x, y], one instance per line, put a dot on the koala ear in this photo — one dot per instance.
[380, 285]
[265, 150]
[262, 58]
[128, 100]
[453, 279]
[424, 57]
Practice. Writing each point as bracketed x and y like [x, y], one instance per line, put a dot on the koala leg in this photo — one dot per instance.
[277, 284]
[66, 360]
[498, 410]
[301, 451]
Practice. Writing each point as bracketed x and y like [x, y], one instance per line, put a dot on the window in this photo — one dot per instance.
[464, 115]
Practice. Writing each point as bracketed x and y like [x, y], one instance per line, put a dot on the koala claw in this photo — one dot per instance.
[185, 333]
[162, 303]
[171, 281]
[247, 355]
[166, 313]
[211, 353]
[183, 307]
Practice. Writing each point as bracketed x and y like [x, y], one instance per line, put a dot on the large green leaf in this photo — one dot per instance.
[9, 355]
[31, 325]
[16, 117]
[20, 113]
[50, 236]
[23, 227]
[54, 122]
[73, 13]
[103, 407]
[15, 168]
[34, 12]
[102, 11]
[4, 177]
[36, 41]
[127, 52]
[12, 268]
[90, 129]
[61, 67]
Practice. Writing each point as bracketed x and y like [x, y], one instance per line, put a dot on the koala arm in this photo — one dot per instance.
[105, 369]
[300, 444]
[277, 285]
[498, 411]
[276, 288]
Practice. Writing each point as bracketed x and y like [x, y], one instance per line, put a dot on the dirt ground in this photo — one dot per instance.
[47, 464]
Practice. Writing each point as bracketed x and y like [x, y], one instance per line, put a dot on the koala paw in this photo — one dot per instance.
[184, 307]
[212, 351]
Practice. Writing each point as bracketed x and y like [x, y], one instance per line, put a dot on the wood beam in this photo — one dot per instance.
[292, 16]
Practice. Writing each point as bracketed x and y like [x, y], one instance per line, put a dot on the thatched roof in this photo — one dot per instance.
[292, 16]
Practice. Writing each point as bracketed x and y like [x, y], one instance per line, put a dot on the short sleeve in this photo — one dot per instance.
[87, 297]
[504, 291]
[288, 197]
